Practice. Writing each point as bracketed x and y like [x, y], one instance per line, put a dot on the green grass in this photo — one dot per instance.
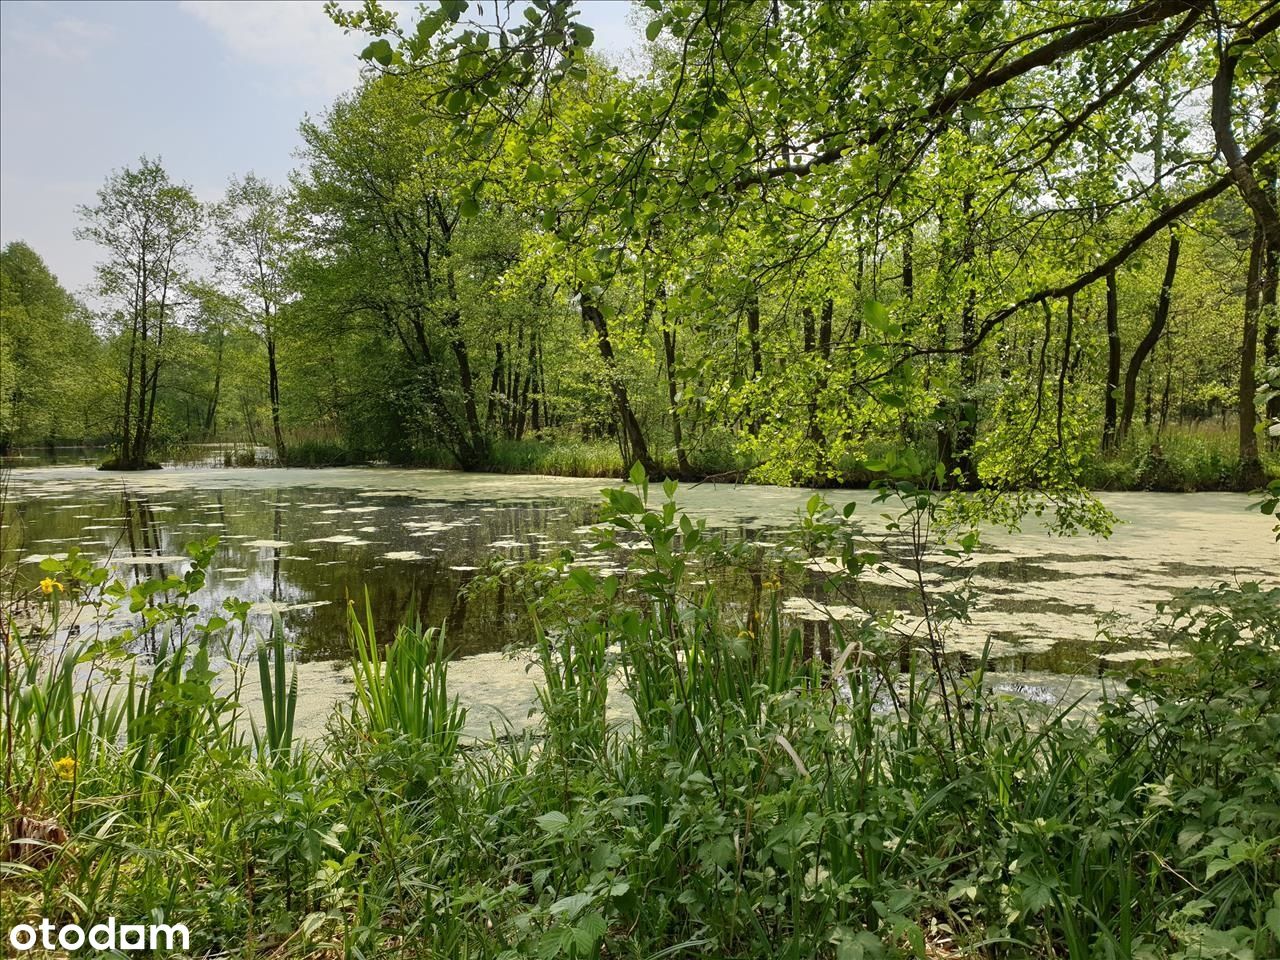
[568, 458]
[322, 453]
[1180, 460]
[404, 691]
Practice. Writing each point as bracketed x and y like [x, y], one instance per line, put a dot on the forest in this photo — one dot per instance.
[891, 572]
[1035, 249]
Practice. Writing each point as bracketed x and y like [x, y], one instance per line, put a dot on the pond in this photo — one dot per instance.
[298, 543]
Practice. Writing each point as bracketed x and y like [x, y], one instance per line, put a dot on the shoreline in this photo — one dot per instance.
[733, 478]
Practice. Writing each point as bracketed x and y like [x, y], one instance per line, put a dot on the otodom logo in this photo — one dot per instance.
[108, 935]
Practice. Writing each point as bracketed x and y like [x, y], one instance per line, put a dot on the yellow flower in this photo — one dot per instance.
[65, 768]
[48, 585]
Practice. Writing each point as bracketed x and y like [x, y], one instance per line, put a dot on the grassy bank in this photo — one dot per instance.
[1180, 460]
[763, 802]
[1177, 460]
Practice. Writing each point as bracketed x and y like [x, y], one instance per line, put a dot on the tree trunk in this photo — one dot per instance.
[138, 452]
[475, 448]
[152, 393]
[537, 403]
[1167, 390]
[824, 328]
[273, 382]
[630, 426]
[1271, 333]
[967, 426]
[1065, 369]
[211, 412]
[1109, 414]
[1251, 474]
[908, 265]
[511, 389]
[677, 436]
[126, 424]
[153, 386]
[810, 346]
[1270, 281]
[753, 338]
[821, 369]
[547, 416]
[1149, 341]
[522, 416]
[495, 385]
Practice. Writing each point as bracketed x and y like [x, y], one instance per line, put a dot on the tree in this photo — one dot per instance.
[378, 196]
[1254, 190]
[147, 225]
[253, 248]
[50, 357]
[1010, 126]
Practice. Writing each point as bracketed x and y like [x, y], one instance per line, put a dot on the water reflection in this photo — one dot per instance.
[301, 544]
[302, 554]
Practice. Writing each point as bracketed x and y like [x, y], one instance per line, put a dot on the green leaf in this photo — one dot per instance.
[1273, 916]
[624, 501]
[571, 906]
[1216, 867]
[876, 314]
[457, 101]
[380, 50]
[553, 822]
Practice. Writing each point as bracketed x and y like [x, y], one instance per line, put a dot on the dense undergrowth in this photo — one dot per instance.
[759, 801]
[1176, 460]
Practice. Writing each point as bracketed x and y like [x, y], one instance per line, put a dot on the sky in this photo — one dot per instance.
[214, 88]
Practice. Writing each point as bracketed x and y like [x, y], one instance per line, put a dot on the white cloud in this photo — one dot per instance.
[295, 37]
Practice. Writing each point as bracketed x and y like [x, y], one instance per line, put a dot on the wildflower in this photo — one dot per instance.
[65, 768]
[48, 585]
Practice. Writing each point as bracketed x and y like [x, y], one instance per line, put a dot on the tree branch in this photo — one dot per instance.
[1089, 31]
